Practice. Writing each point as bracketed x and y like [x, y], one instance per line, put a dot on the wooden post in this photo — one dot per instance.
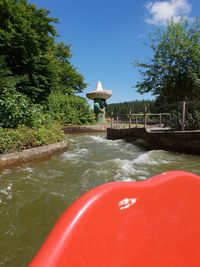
[130, 119]
[136, 121]
[111, 122]
[183, 117]
[117, 121]
[170, 120]
[160, 121]
[145, 117]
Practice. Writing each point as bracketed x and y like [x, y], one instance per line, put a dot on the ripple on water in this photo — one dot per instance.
[5, 172]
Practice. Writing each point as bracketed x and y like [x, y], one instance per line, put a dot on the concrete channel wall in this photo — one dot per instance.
[178, 141]
[31, 154]
[43, 152]
[85, 129]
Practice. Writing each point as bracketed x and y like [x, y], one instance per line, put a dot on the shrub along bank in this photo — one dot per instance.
[25, 125]
[12, 140]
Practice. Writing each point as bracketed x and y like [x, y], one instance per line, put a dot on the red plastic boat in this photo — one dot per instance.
[155, 223]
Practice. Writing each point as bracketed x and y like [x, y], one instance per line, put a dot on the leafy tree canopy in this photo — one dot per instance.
[27, 42]
[173, 73]
[66, 78]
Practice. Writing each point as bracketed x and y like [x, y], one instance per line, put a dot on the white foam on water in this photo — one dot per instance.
[75, 155]
[121, 176]
[141, 177]
[98, 138]
[92, 172]
[86, 172]
[56, 194]
[102, 139]
[128, 179]
[101, 172]
[7, 189]
[145, 159]
[127, 166]
[153, 157]
[6, 192]
[28, 169]
[126, 169]
[139, 167]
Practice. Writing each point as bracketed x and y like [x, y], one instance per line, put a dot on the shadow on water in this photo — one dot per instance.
[32, 196]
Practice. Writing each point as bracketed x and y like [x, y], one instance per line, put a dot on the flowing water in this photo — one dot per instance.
[32, 196]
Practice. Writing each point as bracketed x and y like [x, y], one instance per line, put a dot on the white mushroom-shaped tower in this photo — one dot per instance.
[99, 96]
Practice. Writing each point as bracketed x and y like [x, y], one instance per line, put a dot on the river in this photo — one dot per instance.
[33, 195]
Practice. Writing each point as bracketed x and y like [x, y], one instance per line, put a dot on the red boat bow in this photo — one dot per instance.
[154, 223]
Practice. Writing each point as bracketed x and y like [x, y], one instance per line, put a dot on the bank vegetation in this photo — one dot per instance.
[38, 83]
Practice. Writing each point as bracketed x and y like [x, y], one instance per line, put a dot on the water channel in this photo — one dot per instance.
[33, 195]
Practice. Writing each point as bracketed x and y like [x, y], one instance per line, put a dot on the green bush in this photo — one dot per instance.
[14, 109]
[192, 116]
[69, 109]
[39, 116]
[12, 140]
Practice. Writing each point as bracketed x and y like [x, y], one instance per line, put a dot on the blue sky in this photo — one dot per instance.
[107, 36]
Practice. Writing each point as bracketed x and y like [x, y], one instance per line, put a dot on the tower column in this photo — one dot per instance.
[99, 109]
[99, 97]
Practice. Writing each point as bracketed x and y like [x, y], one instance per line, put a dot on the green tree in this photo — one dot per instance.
[6, 77]
[69, 109]
[124, 108]
[173, 73]
[26, 41]
[14, 106]
[67, 80]
[33, 67]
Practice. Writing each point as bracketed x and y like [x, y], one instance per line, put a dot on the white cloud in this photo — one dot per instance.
[161, 11]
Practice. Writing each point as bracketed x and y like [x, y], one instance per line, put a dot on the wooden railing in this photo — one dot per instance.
[144, 119]
[138, 120]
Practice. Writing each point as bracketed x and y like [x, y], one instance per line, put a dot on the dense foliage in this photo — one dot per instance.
[66, 79]
[69, 109]
[26, 41]
[37, 80]
[173, 74]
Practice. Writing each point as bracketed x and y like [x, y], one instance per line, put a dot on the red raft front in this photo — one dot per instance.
[154, 223]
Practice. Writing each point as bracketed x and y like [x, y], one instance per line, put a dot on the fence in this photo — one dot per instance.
[139, 120]
[176, 117]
